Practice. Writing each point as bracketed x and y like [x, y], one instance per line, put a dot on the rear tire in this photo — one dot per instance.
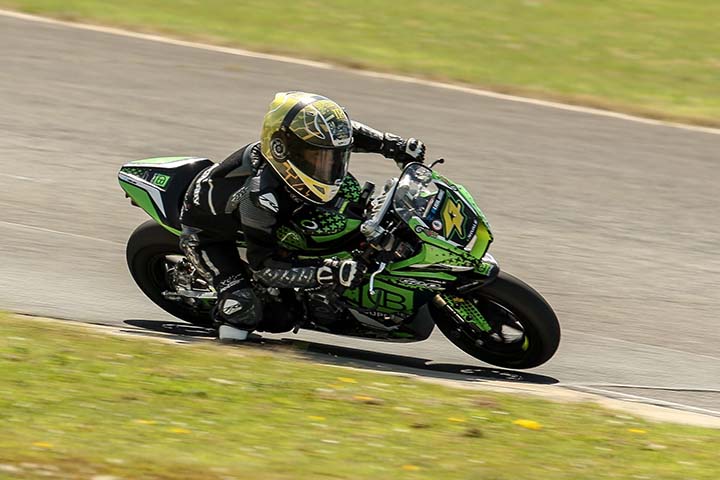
[539, 324]
[149, 244]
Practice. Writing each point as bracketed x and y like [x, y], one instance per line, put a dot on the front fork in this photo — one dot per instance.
[462, 310]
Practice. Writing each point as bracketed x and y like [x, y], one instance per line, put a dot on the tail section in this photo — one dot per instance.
[158, 185]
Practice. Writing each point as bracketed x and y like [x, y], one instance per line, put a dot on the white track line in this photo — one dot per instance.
[643, 387]
[385, 76]
[641, 399]
[58, 232]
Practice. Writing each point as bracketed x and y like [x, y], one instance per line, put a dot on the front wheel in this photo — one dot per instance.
[505, 323]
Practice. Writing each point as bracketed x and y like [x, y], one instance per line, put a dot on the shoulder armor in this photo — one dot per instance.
[248, 161]
[263, 190]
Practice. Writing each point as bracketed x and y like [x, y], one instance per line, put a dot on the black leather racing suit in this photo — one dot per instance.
[244, 193]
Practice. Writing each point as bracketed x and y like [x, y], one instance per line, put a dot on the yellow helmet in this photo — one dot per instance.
[307, 139]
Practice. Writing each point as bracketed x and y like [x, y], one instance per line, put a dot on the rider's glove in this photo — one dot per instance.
[348, 273]
[403, 151]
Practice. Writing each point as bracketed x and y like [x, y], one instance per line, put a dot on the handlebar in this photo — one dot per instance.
[372, 228]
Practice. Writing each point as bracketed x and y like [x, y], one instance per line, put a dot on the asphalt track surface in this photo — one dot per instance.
[614, 221]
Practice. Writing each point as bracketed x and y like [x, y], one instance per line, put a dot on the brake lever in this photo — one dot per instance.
[439, 160]
[371, 290]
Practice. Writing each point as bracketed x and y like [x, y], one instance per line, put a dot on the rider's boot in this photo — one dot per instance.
[237, 312]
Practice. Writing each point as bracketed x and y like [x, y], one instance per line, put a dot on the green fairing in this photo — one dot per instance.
[142, 199]
[388, 298]
[394, 297]
[483, 234]
[437, 250]
[353, 294]
[431, 254]
[469, 199]
[417, 273]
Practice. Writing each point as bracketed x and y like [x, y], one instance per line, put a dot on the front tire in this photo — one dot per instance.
[148, 247]
[507, 300]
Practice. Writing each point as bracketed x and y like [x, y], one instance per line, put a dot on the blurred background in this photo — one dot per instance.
[613, 219]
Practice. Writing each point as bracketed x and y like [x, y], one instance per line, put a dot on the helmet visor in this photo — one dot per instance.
[326, 165]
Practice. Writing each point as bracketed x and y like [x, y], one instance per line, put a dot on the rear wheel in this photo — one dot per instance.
[506, 323]
[153, 256]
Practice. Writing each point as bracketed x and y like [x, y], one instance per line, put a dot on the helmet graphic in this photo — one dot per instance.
[307, 139]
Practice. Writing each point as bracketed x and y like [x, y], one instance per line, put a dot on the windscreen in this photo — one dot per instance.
[416, 194]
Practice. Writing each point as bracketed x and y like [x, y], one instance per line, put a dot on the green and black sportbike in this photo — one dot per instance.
[423, 239]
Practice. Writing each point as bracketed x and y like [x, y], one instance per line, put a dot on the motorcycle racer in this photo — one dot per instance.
[299, 162]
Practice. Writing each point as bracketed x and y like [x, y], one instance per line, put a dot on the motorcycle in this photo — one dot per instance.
[423, 239]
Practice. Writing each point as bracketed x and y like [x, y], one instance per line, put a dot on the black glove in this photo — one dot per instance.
[403, 151]
[348, 273]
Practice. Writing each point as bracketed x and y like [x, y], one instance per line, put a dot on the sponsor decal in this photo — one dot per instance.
[484, 268]
[414, 282]
[269, 201]
[453, 218]
[473, 228]
[436, 204]
[426, 231]
[160, 179]
[389, 300]
[309, 225]
[231, 306]
[198, 184]
[374, 313]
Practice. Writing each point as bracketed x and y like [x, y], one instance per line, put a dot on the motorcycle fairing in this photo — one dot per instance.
[158, 185]
[453, 222]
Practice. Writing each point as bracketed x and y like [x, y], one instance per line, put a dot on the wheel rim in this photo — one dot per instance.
[508, 328]
[508, 336]
[159, 270]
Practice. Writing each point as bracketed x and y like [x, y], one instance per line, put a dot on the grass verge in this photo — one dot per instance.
[78, 403]
[659, 58]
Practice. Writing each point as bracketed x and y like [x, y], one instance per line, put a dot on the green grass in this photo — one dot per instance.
[79, 403]
[660, 58]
